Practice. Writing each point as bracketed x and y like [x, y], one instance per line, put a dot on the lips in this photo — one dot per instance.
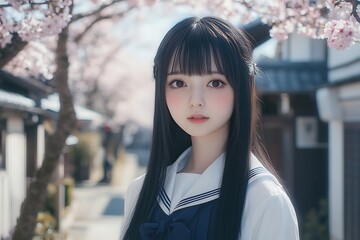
[197, 118]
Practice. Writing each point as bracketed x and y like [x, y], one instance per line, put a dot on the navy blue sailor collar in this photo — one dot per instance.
[206, 188]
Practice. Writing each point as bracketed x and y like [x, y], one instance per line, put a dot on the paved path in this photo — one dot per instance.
[97, 210]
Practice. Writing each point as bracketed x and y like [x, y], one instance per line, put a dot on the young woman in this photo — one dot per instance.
[203, 179]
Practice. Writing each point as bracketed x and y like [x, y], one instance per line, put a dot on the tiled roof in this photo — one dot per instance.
[291, 77]
[52, 103]
[17, 101]
[38, 87]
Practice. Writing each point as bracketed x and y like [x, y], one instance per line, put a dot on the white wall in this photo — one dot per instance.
[336, 106]
[14, 179]
[40, 145]
[4, 204]
[299, 49]
[338, 58]
[331, 110]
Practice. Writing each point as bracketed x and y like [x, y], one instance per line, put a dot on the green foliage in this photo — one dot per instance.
[69, 189]
[45, 227]
[80, 152]
[50, 202]
[316, 223]
[46, 222]
[81, 155]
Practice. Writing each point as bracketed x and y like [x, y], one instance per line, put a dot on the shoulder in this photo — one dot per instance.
[132, 193]
[268, 213]
[265, 189]
[131, 197]
[264, 185]
[134, 187]
[136, 184]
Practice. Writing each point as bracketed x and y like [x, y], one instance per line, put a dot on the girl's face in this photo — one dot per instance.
[200, 104]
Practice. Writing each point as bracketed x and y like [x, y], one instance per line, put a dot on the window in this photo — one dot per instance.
[2, 144]
[31, 150]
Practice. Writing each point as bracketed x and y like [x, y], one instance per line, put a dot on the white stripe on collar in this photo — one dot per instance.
[206, 188]
[257, 170]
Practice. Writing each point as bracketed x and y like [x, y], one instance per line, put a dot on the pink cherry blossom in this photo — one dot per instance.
[16, 3]
[340, 34]
[5, 38]
[279, 33]
[32, 20]
[34, 61]
[48, 17]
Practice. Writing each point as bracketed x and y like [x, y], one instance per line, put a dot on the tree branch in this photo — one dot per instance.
[10, 51]
[95, 12]
[78, 38]
[355, 4]
[4, 5]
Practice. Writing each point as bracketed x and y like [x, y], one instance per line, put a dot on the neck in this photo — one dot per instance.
[205, 150]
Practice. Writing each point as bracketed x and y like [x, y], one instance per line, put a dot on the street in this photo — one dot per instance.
[97, 209]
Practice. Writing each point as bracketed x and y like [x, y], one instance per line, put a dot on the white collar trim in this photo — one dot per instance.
[206, 188]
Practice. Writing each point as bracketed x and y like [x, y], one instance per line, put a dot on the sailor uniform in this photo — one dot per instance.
[187, 204]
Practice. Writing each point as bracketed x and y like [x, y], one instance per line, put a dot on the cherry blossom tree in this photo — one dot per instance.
[104, 76]
[22, 21]
[92, 58]
[55, 143]
[336, 20]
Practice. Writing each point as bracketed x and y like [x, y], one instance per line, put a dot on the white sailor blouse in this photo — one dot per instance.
[187, 204]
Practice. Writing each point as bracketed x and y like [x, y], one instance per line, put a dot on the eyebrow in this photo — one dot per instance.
[182, 73]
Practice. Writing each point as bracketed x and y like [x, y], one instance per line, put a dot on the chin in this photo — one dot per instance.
[198, 133]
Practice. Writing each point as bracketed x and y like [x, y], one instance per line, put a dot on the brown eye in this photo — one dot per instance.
[216, 84]
[177, 84]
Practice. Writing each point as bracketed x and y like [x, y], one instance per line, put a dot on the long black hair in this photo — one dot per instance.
[188, 47]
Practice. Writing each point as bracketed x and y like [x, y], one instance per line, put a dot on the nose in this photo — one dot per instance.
[194, 105]
[196, 100]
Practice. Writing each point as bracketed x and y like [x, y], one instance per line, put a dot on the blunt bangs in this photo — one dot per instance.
[196, 55]
[200, 47]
